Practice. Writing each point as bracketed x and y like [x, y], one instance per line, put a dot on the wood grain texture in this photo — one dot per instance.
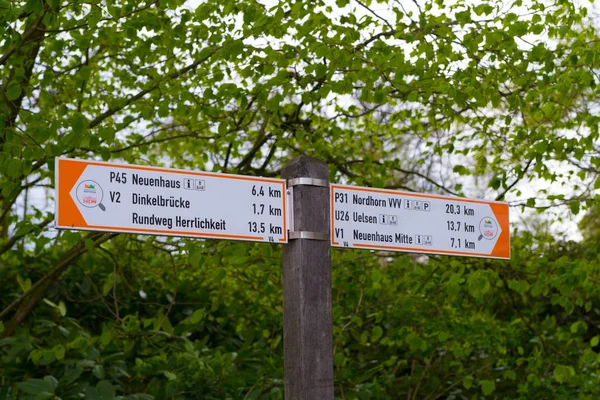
[307, 321]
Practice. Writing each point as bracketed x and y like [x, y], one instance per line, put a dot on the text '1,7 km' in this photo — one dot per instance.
[381, 219]
[162, 201]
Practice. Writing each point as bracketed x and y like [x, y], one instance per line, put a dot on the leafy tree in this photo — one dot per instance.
[457, 99]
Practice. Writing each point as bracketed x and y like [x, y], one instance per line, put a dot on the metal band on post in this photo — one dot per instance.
[307, 182]
[309, 235]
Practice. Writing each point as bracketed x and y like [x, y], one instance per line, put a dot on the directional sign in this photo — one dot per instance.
[137, 199]
[380, 219]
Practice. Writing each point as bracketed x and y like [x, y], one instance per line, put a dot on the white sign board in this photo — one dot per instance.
[138, 199]
[379, 219]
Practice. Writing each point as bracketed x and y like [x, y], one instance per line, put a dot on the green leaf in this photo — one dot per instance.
[197, 316]
[478, 283]
[166, 326]
[460, 169]
[108, 284]
[220, 275]
[170, 375]
[35, 386]
[579, 325]
[72, 375]
[71, 238]
[487, 387]
[495, 182]
[89, 245]
[415, 342]
[131, 323]
[468, 382]
[24, 284]
[14, 168]
[13, 90]
[376, 276]
[593, 342]
[52, 381]
[78, 123]
[376, 334]
[92, 394]
[34, 6]
[147, 112]
[338, 359]
[62, 308]
[43, 396]
[575, 207]
[50, 303]
[512, 375]
[484, 9]
[413, 96]
[59, 352]
[563, 373]
[223, 128]
[106, 390]
[98, 371]
[537, 29]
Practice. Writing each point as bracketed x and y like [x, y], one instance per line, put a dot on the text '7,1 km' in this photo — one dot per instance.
[379, 219]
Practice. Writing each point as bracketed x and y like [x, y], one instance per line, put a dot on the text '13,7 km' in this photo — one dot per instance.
[379, 219]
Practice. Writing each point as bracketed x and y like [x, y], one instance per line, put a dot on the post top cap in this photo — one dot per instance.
[305, 166]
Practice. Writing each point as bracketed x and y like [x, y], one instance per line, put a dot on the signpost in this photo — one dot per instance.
[378, 219]
[137, 199]
[307, 312]
[147, 200]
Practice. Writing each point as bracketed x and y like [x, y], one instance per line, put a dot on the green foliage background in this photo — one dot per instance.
[459, 98]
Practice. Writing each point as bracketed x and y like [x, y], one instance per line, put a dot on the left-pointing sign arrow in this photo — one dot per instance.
[162, 201]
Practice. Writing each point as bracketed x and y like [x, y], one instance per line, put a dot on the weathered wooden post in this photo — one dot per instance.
[307, 321]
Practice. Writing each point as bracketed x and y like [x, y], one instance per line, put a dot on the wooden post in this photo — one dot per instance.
[307, 321]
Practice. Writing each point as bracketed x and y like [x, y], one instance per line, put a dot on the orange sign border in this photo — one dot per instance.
[65, 203]
[502, 244]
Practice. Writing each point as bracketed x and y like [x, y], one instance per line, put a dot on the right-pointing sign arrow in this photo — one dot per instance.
[382, 219]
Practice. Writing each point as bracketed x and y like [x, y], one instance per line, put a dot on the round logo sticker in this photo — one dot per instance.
[90, 194]
[488, 228]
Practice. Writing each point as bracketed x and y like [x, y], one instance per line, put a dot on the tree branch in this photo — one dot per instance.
[28, 300]
[111, 111]
[11, 242]
[24, 39]
[258, 143]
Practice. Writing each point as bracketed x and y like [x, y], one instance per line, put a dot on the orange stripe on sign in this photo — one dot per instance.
[68, 174]
[502, 247]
